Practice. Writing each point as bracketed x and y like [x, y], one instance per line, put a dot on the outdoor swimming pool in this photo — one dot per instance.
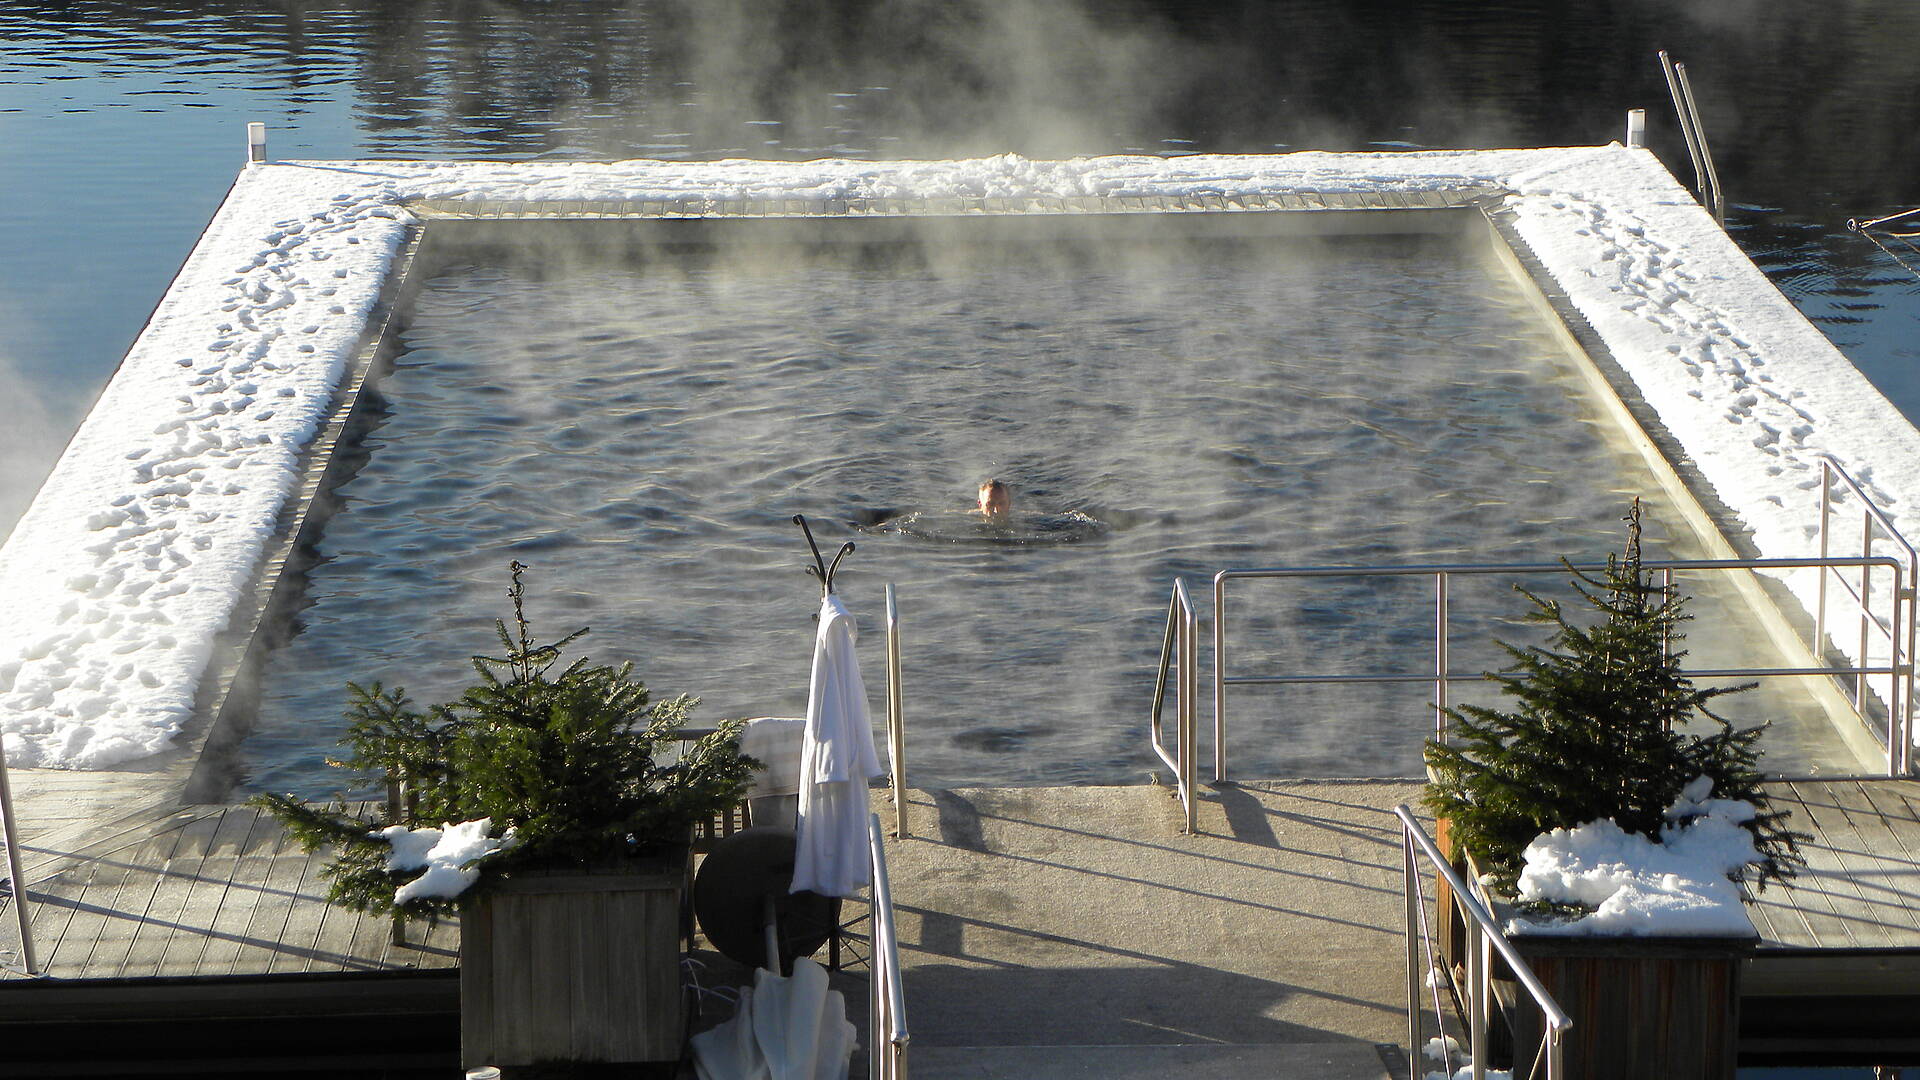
[640, 432]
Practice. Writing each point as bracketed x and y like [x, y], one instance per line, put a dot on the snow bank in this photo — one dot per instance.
[141, 543]
[450, 855]
[1677, 887]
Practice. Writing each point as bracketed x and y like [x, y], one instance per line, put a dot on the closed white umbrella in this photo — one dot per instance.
[836, 761]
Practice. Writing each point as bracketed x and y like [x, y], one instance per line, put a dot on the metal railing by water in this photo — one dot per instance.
[1484, 939]
[1875, 527]
[896, 719]
[1180, 649]
[1900, 629]
[887, 1056]
[1696, 135]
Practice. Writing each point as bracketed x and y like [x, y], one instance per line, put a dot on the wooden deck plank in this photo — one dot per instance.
[1833, 860]
[93, 907]
[199, 912]
[178, 878]
[130, 905]
[333, 937]
[1788, 912]
[306, 911]
[235, 909]
[272, 902]
[1886, 875]
[53, 911]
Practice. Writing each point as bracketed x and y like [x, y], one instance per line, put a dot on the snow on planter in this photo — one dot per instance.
[1679, 887]
[144, 538]
[449, 855]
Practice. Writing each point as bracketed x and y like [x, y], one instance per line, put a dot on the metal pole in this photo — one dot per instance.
[15, 878]
[1191, 717]
[1636, 127]
[1219, 678]
[1556, 1054]
[1686, 124]
[1896, 736]
[256, 143]
[1408, 870]
[1866, 605]
[1820, 604]
[896, 720]
[1719, 201]
[1477, 996]
[1440, 621]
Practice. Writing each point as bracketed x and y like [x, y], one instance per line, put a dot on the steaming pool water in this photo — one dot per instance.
[641, 431]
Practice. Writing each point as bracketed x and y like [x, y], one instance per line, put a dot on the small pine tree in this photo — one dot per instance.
[570, 759]
[1597, 730]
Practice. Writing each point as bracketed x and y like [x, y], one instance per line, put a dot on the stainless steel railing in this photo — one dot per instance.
[887, 1056]
[1696, 135]
[1900, 630]
[1484, 939]
[1874, 527]
[896, 719]
[1180, 648]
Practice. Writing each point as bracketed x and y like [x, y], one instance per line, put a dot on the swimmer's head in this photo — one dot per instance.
[995, 500]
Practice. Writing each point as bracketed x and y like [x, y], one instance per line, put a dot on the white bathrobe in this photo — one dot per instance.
[836, 762]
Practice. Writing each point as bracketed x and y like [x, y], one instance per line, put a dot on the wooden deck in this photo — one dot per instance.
[1860, 889]
[199, 892]
[1836, 978]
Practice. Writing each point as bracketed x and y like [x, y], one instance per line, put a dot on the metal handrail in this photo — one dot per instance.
[1706, 177]
[886, 996]
[1181, 646]
[1900, 677]
[1483, 939]
[1906, 588]
[896, 720]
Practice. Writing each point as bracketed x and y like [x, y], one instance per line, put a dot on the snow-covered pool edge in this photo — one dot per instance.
[144, 538]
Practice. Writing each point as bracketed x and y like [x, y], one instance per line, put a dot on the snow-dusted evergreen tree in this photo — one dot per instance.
[1604, 724]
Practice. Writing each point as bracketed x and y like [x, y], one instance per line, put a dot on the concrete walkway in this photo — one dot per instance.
[1078, 921]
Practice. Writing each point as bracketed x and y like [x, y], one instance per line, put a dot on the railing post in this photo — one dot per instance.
[1666, 596]
[1477, 996]
[896, 719]
[1219, 677]
[1440, 660]
[1191, 717]
[1556, 1054]
[1408, 870]
[1820, 603]
[1866, 606]
[16, 879]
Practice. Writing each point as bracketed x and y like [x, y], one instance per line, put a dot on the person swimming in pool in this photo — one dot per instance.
[996, 501]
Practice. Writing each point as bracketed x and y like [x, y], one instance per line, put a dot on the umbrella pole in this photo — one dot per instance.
[769, 926]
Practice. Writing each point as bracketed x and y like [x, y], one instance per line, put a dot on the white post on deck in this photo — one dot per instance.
[16, 880]
[256, 143]
[1636, 127]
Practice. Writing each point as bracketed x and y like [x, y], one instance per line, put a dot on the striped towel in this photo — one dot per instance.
[775, 741]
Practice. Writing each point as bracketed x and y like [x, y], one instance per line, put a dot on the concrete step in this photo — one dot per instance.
[1273, 1061]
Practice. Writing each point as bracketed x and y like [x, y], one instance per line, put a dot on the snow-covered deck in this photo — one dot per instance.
[153, 528]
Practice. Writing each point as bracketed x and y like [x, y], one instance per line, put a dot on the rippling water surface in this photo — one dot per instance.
[123, 122]
[641, 435]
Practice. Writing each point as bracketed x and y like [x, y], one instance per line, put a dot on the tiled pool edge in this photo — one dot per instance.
[366, 201]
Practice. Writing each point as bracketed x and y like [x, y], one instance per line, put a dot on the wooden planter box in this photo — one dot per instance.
[1665, 1007]
[1641, 1006]
[577, 966]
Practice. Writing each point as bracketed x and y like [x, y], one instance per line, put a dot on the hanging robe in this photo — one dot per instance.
[836, 761]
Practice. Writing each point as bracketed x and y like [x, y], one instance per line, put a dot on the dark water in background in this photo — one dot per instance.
[123, 122]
